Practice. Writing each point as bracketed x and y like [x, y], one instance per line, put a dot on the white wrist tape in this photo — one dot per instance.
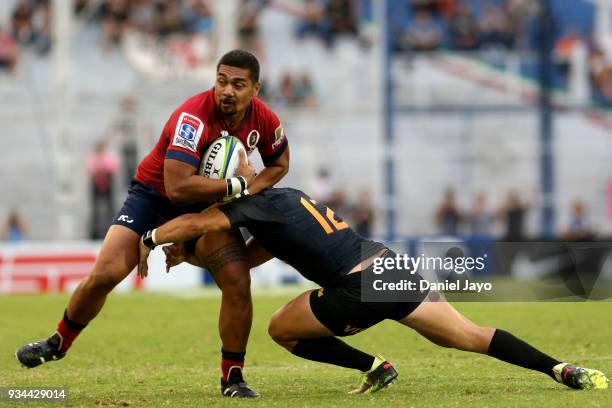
[235, 185]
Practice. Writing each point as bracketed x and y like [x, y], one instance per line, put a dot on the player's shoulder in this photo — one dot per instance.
[199, 105]
[260, 207]
[262, 110]
[282, 193]
[189, 122]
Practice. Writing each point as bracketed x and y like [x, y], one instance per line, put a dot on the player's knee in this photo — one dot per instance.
[274, 330]
[482, 339]
[474, 338]
[277, 331]
[104, 277]
[237, 288]
[101, 282]
[235, 282]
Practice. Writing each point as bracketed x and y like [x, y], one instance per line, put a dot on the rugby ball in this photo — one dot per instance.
[222, 158]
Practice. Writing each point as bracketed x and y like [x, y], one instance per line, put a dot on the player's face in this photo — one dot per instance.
[234, 90]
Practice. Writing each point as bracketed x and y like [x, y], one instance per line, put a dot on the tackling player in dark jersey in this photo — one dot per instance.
[166, 185]
[287, 224]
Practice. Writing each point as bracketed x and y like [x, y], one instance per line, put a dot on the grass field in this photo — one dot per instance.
[147, 350]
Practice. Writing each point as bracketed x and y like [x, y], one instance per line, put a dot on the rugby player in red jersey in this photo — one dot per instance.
[167, 185]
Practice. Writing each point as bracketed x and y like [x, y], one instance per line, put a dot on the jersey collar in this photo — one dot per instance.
[245, 118]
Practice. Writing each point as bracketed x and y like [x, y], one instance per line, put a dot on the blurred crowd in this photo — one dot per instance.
[506, 222]
[328, 19]
[29, 27]
[358, 211]
[158, 18]
[479, 221]
[452, 24]
[507, 25]
[187, 28]
[294, 89]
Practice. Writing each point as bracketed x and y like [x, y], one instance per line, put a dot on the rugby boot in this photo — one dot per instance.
[377, 378]
[580, 378]
[235, 386]
[34, 354]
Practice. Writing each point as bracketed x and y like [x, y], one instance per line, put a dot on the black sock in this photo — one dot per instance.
[72, 324]
[504, 346]
[332, 350]
[230, 355]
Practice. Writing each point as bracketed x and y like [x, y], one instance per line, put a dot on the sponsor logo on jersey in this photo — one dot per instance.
[188, 131]
[279, 135]
[252, 139]
[125, 218]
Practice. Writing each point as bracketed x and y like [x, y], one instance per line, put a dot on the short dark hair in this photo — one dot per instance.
[241, 59]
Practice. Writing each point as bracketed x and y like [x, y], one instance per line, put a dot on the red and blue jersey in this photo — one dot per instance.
[197, 123]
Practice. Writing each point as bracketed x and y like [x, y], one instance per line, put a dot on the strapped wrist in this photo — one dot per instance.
[235, 185]
[148, 239]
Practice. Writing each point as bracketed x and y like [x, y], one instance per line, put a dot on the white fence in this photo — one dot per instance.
[49, 267]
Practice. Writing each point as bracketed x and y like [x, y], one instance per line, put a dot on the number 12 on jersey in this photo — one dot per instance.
[326, 221]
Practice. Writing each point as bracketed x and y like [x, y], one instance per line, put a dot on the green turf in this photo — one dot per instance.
[147, 350]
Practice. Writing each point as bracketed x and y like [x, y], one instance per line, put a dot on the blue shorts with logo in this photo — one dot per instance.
[145, 209]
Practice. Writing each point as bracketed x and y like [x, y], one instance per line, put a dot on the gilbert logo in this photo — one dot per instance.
[211, 159]
[125, 218]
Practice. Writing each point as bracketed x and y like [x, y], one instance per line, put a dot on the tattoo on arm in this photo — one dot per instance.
[232, 252]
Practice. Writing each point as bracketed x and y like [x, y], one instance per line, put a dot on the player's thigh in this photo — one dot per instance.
[118, 255]
[442, 324]
[140, 212]
[295, 320]
[224, 255]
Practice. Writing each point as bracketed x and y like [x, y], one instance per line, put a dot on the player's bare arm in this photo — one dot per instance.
[181, 229]
[176, 254]
[191, 226]
[256, 255]
[185, 186]
[271, 174]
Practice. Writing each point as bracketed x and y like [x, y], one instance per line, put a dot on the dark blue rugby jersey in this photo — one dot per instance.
[305, 234]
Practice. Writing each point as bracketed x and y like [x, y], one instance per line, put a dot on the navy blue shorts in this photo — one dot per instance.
[145, 209]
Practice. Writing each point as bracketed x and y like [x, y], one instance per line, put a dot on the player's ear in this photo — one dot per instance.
[257, 86]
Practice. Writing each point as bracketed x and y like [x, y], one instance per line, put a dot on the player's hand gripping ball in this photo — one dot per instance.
[222, 160]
